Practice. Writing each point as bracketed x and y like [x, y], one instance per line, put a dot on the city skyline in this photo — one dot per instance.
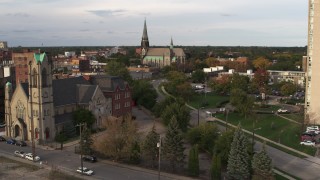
[200, 23]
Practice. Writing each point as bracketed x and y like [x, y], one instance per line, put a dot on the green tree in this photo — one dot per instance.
[149, 147]
[185, 91]
[288, 89]
[242, 102]
[239, 158]
[160, 107]
[215, 167]
[115, 68]
[144, 94]
[223, 146]
[261, 63]
[240, 82]
[61, 138]
[262, 165]
[181, 112]
[178, 85]
[193, 163]
[198, 76]
[260, 80]
[173, 144]
[83, 116]
[204, 135]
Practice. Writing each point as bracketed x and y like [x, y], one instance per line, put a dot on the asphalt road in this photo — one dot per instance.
[69, 161]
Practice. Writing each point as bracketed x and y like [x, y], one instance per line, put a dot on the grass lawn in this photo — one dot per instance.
[274, 128]
[212, 99]
[296, 117]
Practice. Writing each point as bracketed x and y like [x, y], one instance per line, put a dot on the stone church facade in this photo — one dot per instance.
[42, 106]
[160, 57]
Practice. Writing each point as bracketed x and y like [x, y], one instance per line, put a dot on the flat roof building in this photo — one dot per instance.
[312, 100]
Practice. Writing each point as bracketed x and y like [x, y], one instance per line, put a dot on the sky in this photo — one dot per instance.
[120, 22]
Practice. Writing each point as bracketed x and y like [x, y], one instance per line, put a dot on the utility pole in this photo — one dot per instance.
[198, 115]
[31, 113]
[81, 143]
[159, 146]
[227, 113]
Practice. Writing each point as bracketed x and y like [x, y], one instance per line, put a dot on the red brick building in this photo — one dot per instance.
[118, 90]
[20, 60]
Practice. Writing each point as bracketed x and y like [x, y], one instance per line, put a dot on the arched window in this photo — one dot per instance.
[44, 77]
[20, 110]
[34, 78]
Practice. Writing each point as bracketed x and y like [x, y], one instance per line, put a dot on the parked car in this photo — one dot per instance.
[89, 158]
[11, 141]
[29, 156]
[307, 138]
[21, 143]
[310, 133]
[283, 111]
[312, 128]
[308, 143]
[85, 171]
[19, 153]
[2, 138]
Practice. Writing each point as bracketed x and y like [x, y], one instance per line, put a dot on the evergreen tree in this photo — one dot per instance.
[216, 167]
[193, 163]
[149, 147]
[135, 153]
[173, 144]
[86, 142]
[262, 165]
[239, 159]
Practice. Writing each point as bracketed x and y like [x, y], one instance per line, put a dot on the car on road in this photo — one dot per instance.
[283, 111]
[308, 143]
[11, 141]
[19, 153]
[85, 171]
[2, 138]
[29, 156]
[89, 158]
[21, 143]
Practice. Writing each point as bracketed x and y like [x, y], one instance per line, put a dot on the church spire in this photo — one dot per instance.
[145, 40]
[171, 44]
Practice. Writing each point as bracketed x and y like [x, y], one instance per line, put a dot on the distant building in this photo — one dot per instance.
[69, 53]
[312, 97]
[159, 57]
[3, 45]
[296, 77]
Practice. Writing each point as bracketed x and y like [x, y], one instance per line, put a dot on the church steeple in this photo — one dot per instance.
[145, 39]
[171, 44]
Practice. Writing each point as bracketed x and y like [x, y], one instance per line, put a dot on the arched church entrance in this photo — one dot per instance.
[16, 131]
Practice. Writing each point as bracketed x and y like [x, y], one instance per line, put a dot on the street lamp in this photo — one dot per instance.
[159, 146]
[253, 138]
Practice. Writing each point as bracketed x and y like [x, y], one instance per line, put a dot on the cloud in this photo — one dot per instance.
[18, 14]
[20, 31]
[106, 13]
[226, 14]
